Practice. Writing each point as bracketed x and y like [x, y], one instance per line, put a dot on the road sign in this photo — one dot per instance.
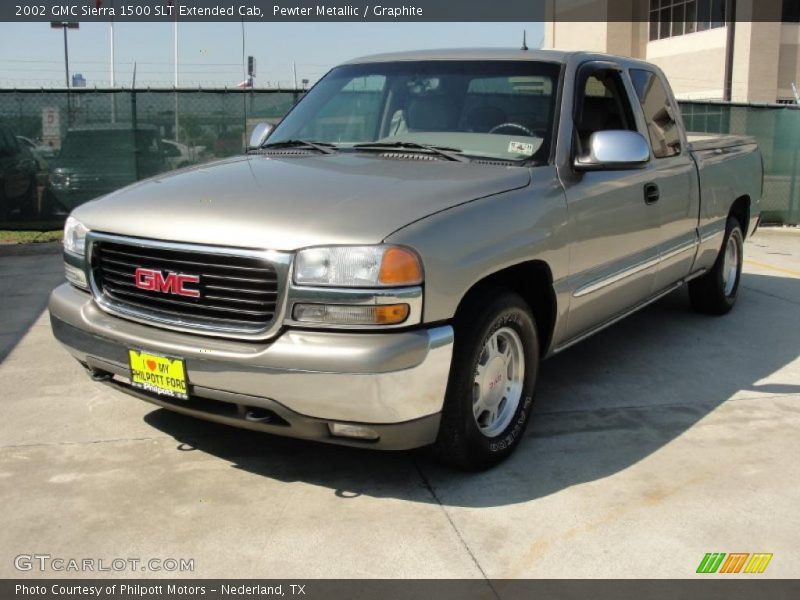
[51, 127]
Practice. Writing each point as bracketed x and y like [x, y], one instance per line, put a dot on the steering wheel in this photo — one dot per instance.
[497, 128]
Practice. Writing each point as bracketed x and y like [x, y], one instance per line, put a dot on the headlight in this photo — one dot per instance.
[75, 237]
[358, 266]
[59, 180]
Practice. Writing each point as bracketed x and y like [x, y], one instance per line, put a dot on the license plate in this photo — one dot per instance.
[159, 374]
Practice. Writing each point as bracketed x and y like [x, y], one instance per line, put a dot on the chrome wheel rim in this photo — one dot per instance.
[730, 266]
[497, 386]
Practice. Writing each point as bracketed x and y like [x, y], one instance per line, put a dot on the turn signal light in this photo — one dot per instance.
[384, 314]
[400, 266]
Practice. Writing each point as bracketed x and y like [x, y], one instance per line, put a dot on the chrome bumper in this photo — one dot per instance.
[395, 382]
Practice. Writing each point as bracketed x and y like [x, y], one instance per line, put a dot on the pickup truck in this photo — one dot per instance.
[388, 266]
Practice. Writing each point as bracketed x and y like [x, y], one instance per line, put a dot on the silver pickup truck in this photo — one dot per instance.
[389, 265]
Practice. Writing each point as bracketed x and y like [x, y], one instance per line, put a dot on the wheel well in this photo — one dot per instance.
[533, 281]
[741, 210]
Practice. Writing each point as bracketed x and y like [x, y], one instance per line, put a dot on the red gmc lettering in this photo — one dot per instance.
[172, 283]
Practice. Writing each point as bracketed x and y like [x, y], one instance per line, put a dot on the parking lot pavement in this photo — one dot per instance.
[665, 437]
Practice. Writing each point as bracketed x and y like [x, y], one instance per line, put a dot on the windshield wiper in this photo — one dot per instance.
[448, 153]
[323, 147]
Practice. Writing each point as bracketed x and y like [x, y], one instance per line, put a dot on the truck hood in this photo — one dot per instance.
[286, 203]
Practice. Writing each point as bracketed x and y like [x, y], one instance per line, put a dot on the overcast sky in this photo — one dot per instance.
[210, 54]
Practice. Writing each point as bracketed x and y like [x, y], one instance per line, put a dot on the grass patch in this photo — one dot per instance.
[30, 237]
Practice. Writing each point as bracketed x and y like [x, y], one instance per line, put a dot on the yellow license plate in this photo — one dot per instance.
[158, 374]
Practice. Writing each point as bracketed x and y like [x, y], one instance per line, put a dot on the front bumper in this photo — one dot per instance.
[294, 385]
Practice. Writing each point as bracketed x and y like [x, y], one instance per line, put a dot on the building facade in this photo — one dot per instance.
[740, 50]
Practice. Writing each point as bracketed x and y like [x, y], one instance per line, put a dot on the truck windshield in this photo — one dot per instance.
[492, 109]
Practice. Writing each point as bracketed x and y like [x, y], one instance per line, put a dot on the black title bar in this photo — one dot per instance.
[377, 10]
[705, 588]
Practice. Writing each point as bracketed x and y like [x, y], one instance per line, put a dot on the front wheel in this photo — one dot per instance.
[492, 379]
[715, 292]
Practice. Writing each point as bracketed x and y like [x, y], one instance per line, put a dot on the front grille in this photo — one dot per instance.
[237, 293]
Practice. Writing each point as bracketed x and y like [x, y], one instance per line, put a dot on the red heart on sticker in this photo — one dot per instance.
[151, 364]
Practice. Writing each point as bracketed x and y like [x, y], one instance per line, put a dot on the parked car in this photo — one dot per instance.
[179, 155]
[388, 266]
[36, 151]
[97, 159]
[18, 169]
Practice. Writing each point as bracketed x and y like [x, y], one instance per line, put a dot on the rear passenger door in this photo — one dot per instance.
[673, 178]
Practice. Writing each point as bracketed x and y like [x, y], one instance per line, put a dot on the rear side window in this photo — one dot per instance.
[662, 126]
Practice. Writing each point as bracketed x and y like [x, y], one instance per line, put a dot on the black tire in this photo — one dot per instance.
[713, 293]
[460, 442]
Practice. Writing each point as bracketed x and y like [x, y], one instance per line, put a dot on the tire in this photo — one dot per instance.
[715, 292]
[492, 380]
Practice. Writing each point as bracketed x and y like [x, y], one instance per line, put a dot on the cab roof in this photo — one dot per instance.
[556, 56]
[511, 54]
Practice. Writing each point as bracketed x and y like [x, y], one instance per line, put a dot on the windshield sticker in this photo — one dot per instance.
[520, 148]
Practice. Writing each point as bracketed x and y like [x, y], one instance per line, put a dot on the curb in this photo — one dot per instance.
[30, 249]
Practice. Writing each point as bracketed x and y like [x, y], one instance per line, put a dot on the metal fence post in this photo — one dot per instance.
[134, 124]
[794, 201]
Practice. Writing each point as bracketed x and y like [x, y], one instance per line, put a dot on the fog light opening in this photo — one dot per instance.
[358, 432]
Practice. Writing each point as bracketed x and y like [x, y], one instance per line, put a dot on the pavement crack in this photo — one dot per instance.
[457, 531]
[661, 405]
[84, 443]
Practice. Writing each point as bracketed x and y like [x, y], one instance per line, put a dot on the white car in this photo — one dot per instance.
[179, 155]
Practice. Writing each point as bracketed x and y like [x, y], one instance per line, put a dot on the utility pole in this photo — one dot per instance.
[65, 25]
[175, 49]
[66, 59]
[111, 71]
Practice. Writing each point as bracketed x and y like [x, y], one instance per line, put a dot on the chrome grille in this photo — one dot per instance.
[237, 293]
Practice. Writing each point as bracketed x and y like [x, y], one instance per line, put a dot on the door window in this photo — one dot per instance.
[603, 105]
[662, 126]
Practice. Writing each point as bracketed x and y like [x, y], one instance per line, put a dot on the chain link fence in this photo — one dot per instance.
[777, 130]
[59, 149]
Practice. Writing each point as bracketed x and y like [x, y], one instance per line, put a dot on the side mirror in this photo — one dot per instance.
[609, 150]
[259, 135]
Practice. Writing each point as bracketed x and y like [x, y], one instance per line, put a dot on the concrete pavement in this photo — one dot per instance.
[665, 437]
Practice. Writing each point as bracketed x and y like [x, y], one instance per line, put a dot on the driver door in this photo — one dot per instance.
[613, 230]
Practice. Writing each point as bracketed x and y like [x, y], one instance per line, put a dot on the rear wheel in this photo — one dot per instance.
[492, 380]
[715, 292]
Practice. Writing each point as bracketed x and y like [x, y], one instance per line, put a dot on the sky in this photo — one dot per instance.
[210, 54]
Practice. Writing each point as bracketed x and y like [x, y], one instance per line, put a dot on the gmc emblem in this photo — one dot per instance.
[171, 283]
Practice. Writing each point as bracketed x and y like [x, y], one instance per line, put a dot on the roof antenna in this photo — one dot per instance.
[524, 40]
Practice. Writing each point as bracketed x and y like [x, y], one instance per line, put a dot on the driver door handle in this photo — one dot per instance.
[651, 193]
